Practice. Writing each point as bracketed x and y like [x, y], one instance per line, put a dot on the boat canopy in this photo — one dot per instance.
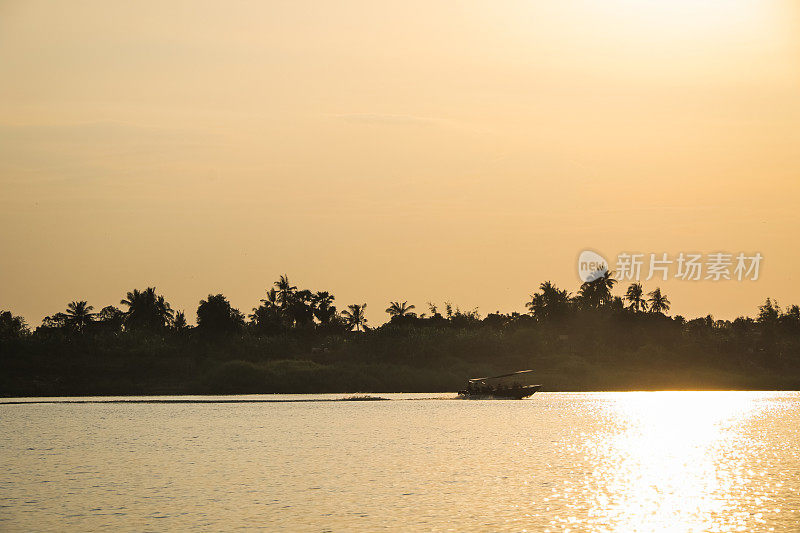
[519, 374]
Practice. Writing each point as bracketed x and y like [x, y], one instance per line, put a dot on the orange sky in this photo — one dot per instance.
[461, 151]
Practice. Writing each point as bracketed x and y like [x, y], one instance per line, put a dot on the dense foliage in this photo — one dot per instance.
[297, 341]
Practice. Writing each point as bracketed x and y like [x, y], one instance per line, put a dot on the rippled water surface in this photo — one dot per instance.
[635, 461]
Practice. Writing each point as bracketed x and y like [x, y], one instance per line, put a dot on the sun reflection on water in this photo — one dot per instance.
[670, 461]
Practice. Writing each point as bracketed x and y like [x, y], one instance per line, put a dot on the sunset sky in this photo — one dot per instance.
[461, 151]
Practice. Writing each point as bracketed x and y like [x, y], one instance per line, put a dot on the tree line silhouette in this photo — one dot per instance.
[284, 308]
[296, 340]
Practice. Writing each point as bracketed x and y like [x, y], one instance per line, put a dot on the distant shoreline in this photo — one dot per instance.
[298, 343]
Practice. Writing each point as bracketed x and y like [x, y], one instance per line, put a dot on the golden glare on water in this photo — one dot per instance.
[674, 462]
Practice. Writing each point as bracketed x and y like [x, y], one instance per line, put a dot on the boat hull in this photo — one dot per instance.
[514, 393]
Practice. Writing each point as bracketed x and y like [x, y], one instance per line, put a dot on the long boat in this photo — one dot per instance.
[514, 386]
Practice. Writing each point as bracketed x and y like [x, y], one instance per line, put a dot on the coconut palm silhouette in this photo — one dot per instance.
[550, 303]
[658, 302]
[399, 308]
[285, 290]
[354, 316]
[322, 307]
[597, 292]
[79, 315]
[146, 310]
[635, 297]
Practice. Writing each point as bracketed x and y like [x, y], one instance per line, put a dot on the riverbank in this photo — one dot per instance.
[149, 375]
[598, 352]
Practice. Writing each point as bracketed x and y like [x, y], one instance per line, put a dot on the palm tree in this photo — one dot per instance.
[147, 310]
[79, 315]
[136, 302]
[399, 309]
[164, 310]
[354, 316]
[635, 297]
[597, 292]
[658, 302]
[322, 304]
[285, 290]
[551, 302]
[271, 301]
[300, 311]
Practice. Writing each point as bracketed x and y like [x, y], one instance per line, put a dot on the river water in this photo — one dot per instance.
[631, 461]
